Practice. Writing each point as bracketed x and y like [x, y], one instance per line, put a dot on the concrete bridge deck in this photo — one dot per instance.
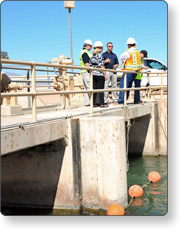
[18, 132]
[132, 111]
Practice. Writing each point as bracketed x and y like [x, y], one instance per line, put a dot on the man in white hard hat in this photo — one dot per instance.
[131, 60]
[85, 56]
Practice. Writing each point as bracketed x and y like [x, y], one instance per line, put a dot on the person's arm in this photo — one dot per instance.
[116, 63]
[86, 59]
[144, 67]
[107, 61]
[87, 64]
[102, 66]
[115, 66]
[124, 56]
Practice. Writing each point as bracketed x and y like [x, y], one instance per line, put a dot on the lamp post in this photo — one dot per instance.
[70, 5]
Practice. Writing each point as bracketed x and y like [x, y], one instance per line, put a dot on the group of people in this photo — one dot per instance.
[132, 59]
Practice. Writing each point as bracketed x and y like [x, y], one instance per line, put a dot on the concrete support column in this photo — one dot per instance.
[103, 161]
[152, 141]
[162, 126]
[143, 137]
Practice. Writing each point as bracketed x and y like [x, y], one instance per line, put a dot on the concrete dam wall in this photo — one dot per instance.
[80, 161]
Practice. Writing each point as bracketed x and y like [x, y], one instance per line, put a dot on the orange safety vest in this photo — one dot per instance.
[134, 62]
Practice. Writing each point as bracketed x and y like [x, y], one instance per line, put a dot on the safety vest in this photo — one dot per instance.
[134, 62]
[139, 75]
[82, 64]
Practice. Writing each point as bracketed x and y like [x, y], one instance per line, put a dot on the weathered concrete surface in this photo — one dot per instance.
[128, 112]
[103, 161]
[29, 178]
[148, 135]
[42, 176]
[144, 134]
[65, 163]
[143, 138]
[32, 135]
[11, 110]
[162, 126]
[68, 189]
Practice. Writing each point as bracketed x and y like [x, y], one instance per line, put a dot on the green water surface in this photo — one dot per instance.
[153, 202]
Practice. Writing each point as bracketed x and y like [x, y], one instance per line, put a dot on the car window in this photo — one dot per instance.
[153, 64]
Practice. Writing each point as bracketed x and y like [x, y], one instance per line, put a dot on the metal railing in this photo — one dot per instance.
[33, 94]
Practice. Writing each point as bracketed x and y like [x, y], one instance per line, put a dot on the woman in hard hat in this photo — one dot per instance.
[99, 77]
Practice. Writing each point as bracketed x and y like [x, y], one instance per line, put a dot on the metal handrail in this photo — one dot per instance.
[34, 92]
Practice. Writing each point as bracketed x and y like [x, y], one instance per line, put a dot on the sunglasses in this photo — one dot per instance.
[110, 46]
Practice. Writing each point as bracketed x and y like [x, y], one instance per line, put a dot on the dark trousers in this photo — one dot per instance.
[137, 83]
[98, 83]
[129, 79]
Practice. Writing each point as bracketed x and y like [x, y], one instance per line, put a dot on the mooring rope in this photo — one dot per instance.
[129, 203]
[142, 188]
[129, 125]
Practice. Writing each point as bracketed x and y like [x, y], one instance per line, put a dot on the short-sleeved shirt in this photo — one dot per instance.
[85, 58]
[112, 56]
[96, 61]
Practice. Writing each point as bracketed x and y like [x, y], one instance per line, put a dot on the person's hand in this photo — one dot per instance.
[105, 77]
[114, 67]
[108, 61]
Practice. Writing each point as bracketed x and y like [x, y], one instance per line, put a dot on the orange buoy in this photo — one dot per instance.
[115, 209]
[135, 191]
[154, 177]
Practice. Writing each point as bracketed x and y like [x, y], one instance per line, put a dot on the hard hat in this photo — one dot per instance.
[130, 41]
[88, 42]
[98, 44]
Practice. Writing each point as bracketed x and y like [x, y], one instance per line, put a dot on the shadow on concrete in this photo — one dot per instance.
[137, 135]
[29, 178]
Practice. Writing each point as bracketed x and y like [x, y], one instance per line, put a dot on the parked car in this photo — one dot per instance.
[153, 65]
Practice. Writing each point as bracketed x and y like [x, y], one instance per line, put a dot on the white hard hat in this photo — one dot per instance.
[98, 44]
[88, 42]
[130, 41]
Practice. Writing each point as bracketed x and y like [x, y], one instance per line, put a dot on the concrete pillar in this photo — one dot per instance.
[103, 161]
[151, 141]
[162, 126]
[143, 136]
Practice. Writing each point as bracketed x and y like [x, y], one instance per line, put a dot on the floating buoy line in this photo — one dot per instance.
[135, 191]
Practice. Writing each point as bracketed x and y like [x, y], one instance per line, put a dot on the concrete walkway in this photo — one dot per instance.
[7, 121]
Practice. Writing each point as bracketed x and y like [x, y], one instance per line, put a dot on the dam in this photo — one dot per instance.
[75, 157]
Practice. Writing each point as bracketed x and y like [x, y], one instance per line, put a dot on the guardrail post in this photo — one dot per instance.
[28, 90]
[33, 82]
[125, 87]
[91, 94]
[161, 86]
[148, 81]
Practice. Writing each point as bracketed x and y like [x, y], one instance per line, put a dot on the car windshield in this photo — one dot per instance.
[153, 64]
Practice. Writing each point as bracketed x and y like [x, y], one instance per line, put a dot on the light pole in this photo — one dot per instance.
[70, 5]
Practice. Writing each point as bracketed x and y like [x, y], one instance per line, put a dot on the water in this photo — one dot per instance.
[153, 202]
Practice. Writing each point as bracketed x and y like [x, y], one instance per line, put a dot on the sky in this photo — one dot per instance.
[39, 30]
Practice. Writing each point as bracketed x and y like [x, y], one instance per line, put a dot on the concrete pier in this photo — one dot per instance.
[103, 161]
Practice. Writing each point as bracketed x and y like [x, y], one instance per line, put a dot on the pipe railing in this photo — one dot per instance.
[34, 92]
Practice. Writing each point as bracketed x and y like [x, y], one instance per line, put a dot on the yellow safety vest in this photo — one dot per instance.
[134, 62]
[82, 64]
